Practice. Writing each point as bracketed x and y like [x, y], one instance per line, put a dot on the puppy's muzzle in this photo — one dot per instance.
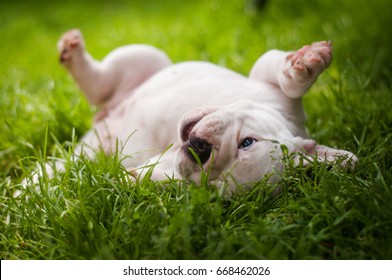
[200, 147]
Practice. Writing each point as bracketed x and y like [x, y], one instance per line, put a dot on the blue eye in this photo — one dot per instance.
[247, 143]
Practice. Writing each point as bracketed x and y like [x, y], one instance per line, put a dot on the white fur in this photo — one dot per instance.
[148, 104]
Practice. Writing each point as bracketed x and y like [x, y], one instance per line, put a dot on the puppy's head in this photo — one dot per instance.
[244, 141]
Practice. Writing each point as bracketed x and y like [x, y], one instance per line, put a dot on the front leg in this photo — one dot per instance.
[309, 150]
[293, 72]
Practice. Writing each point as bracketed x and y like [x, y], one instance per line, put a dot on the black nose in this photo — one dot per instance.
[201, 148]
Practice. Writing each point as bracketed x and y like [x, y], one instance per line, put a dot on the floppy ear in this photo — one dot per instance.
[309, 149]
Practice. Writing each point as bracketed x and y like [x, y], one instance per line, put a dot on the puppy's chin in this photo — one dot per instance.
[191, 170]
[184, 165]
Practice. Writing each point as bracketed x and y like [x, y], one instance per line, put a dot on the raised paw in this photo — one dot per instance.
[308, 62]
[69, 42]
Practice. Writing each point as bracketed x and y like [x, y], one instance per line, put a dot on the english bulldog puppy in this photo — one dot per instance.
[190, 117]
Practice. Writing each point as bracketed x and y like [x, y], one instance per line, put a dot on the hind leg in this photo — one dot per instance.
[293, 72]
[108, 82]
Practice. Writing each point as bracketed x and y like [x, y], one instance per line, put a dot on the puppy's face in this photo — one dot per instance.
[242, 140]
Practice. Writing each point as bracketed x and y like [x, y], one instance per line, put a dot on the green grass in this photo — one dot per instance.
[92, 211]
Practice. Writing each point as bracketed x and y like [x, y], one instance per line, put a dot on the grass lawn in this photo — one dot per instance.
[91, 211]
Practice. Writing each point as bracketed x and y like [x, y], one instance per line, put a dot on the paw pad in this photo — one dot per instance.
[310, 61]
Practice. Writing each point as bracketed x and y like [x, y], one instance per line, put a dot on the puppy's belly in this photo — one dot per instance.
[146, 123]
[189, 85]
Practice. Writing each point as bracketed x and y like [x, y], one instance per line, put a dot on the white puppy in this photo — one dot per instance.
[214, 119]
